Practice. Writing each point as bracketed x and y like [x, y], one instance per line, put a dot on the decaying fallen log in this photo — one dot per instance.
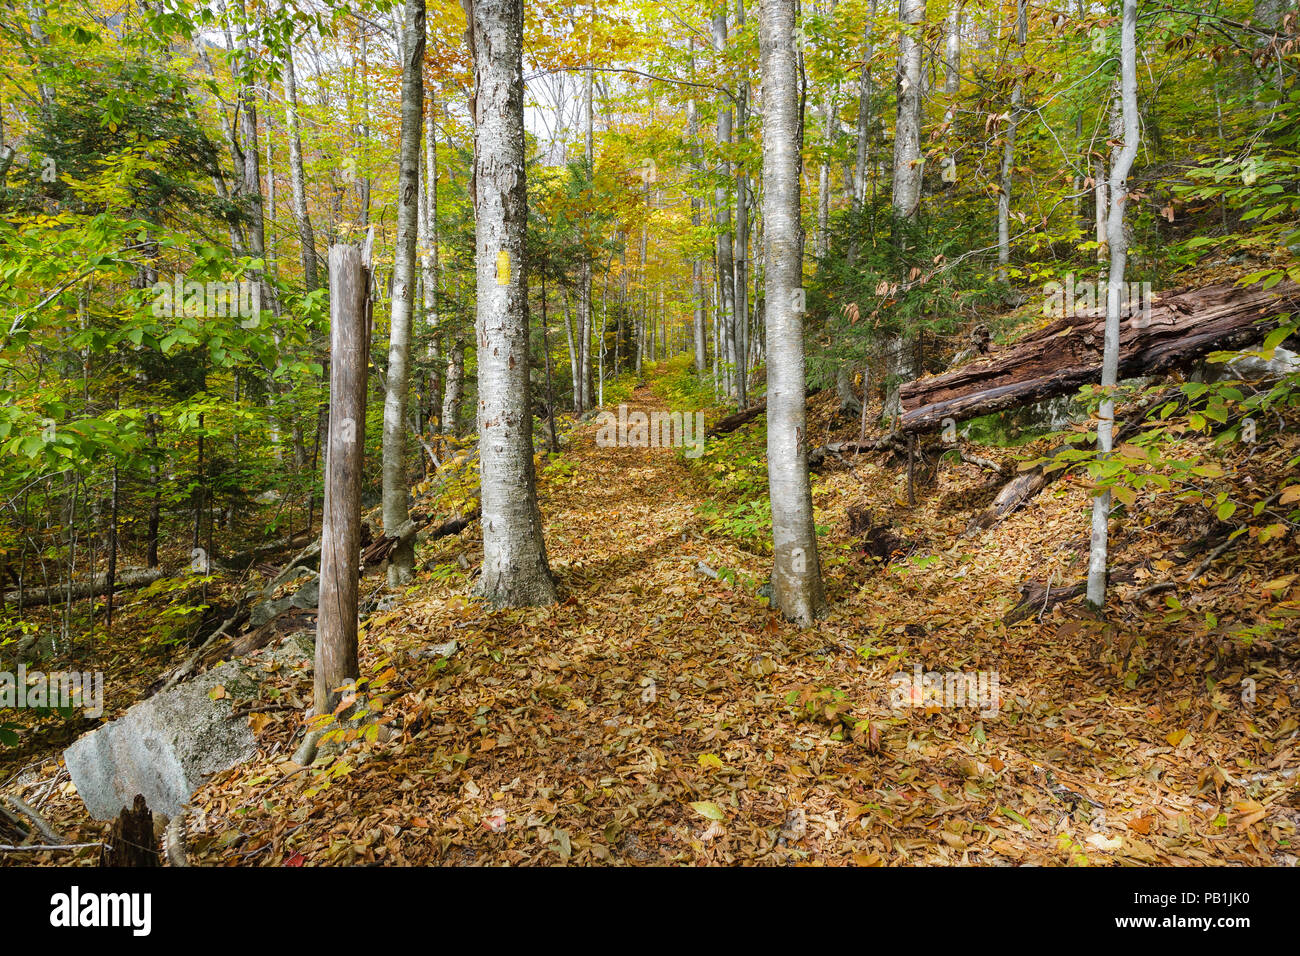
[1037, 598]
[243, 560]
[744, 417]
[1179, 328]
[133, 578]
[890, 441]
[735, 420]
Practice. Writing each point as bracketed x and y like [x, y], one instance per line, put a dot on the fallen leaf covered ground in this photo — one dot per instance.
[662, 715]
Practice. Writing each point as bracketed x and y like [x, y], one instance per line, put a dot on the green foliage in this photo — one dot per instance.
[748, 521]
[676, 381]
[884, 277]
[619, 389]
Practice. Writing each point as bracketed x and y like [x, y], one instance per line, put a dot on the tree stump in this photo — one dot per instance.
[131, 840]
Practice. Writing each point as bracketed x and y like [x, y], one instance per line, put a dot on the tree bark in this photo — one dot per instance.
[454, 388]
[515, 569]
[129, 578]
[796, 575]
[906, 196]
[740, 266]
[1179, 328]
[430, 264]
[865, 87]
[1009, 148]
[336, 627]
[131, 840]
[1118, 242]
[722, 212]
[297, 177]
[396, 490]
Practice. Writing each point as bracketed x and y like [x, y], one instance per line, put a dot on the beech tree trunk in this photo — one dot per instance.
[722, 213]
[429, 262]
[865, 87]
[697, 268]
[740, 265]
[455, 387]
[952, 59]
[796, 574]
[396, 491]
[584, 265]
[515, 570]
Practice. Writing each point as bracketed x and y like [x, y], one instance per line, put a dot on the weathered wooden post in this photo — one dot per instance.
[336, 623]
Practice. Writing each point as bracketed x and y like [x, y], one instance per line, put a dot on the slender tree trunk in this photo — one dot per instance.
[155, 491]
[796, 575]
[401, 562]
[1115, 298]
[251, 185]
[952, 60]
[111, 573]
[553, 439]
[515, 569]
[1009, 148]
[697, 271]
[585, 321]
[574, 363]
[741, 265]
[830, 130]
[722, 211]
[430, 264]
[297, 177]
[865, 131]
[455, 387]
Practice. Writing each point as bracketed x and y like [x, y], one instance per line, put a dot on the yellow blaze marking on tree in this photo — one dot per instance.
[503, 267]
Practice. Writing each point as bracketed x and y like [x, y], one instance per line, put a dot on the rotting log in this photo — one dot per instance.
[134, 578]
[1037, 598]
[743, 417]
[1179, 328]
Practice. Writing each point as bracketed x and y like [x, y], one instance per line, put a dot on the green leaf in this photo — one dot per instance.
[1011, 814]
[708, 809]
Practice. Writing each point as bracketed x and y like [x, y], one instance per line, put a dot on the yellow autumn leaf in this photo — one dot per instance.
[710, 760]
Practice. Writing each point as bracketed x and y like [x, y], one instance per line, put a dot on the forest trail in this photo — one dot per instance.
[661, 715]
[658, 715]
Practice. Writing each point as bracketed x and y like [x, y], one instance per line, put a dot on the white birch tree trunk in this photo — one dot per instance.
[796, 574]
